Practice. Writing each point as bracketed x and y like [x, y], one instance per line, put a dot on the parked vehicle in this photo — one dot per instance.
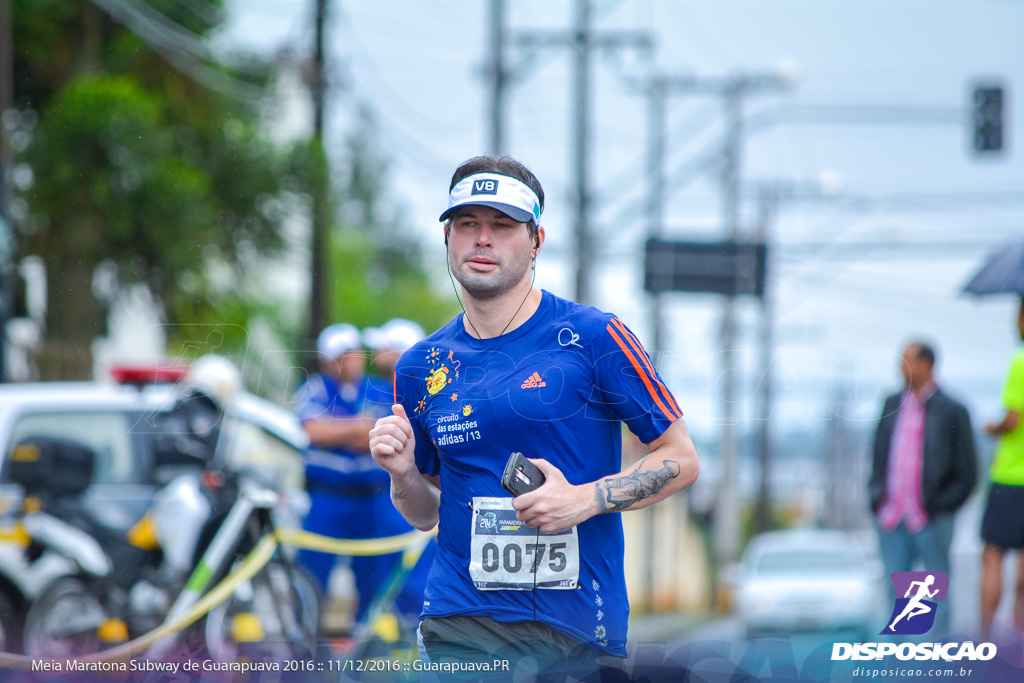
[123, 587]
[276, 613]
[808, 579]
[124, 427]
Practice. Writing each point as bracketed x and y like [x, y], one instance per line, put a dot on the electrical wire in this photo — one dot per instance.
[628, 223]
[205, 11]
[183, 49]
[695, 122]
[765, 118]
[156, 26]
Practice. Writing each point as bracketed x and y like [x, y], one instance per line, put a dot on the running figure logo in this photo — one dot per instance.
[489, 521]
[914, 613]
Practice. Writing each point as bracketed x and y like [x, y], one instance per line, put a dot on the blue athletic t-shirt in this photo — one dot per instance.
[322, 396]
[558, 387]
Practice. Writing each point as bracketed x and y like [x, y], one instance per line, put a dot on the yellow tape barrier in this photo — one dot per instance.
[253, 562]
[347, 546]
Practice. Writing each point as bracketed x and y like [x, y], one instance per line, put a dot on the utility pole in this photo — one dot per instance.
[836, 455]
[768, 203]
[581, 149]
[770, 196]
[657, 88]
[657, 95]
[656, 91]
[733, 90]
[584, 42]
[319, 192]
[498, 74]
[6, 159]
[727, 514]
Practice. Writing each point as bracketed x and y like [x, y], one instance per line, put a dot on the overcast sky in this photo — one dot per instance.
[882, 98]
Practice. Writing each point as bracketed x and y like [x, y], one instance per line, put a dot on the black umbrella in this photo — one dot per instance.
[1003, 273]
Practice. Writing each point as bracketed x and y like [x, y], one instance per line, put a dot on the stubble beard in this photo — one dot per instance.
[490, 286]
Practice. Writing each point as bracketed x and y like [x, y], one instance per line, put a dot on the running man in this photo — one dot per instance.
[524, 370]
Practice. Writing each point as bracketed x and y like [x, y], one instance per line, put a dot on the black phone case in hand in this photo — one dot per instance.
[521, 475]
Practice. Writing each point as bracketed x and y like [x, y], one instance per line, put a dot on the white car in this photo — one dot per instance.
[808, 580]
[119, 424]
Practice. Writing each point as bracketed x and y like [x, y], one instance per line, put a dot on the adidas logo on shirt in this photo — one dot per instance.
[534, 382]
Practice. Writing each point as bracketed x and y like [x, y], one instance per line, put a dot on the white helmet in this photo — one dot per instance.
[338, 339]
[397, 334]
[215, 376]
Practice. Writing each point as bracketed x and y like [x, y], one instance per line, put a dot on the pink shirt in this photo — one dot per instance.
[903, 500]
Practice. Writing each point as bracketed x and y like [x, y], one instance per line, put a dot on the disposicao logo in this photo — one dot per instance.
[914, 613]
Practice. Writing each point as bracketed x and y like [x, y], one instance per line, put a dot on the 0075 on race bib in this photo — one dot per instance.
[508, 555]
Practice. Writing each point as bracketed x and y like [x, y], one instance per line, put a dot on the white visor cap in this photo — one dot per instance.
[336, 339]
[509, 195]
[397, 334]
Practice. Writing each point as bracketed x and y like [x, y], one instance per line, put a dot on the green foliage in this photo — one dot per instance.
[371, 285]
[227, 316]
[137, 164]
[376, 269]
[119, 149]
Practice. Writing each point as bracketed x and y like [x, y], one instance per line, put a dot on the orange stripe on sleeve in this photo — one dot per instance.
[650, 366]
[394, 386]
[643, 375]
[647, 363]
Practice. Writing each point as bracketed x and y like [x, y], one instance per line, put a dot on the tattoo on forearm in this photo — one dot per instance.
[618, 493]
[396, 494]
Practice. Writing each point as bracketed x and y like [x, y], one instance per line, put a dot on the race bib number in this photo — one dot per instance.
[508, 555]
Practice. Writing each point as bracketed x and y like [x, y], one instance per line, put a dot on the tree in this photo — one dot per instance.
[136, 164]
[371, 285]
[377, 266]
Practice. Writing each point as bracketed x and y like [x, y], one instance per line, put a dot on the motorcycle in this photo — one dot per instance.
[274, 614]
[127, 586]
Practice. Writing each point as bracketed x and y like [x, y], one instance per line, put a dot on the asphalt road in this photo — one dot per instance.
[657, 636]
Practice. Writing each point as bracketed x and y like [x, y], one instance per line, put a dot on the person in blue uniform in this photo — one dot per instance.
[348, 491]
[386, 344]
[522, 370]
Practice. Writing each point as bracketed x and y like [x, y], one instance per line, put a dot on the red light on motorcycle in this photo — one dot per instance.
[213, 480]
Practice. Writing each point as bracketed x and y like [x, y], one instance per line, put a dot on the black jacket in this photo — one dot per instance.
[950, 463]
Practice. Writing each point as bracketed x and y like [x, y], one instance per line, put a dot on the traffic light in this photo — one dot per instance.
[988, 118]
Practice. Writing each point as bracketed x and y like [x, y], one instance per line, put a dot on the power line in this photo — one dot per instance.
[206, 11]
[697, 120]
[183, 49]
[144, 19]
[857, 114]
[843, 114]
[582, 40]
[627, 221]
[902, 250]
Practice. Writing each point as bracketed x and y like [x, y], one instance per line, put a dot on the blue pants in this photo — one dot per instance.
[354, 517]
[901, 548]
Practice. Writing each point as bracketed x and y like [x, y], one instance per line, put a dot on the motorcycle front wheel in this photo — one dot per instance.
[63, 621]
[273, 616]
